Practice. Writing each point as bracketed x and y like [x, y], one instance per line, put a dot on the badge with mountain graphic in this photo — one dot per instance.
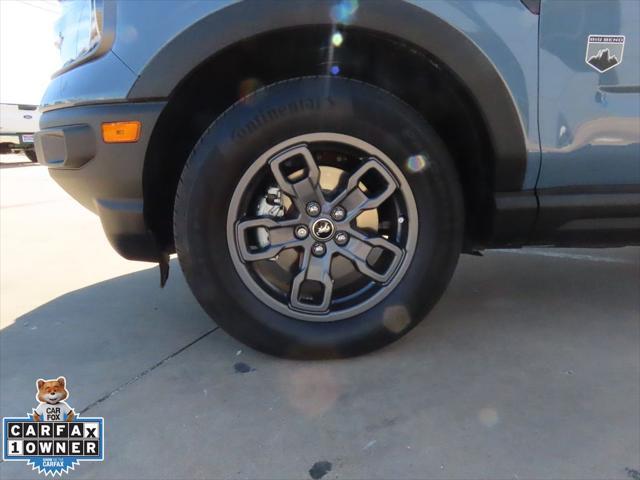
[604, 51]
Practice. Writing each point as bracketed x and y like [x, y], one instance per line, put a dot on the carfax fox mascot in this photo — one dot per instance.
[52, 407]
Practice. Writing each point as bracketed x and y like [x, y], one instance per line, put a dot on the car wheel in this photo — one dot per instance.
[31, 155]
[318, 217]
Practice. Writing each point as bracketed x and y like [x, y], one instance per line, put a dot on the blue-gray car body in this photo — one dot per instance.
[563, 137]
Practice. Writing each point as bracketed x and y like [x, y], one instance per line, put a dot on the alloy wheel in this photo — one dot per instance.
[322, 227]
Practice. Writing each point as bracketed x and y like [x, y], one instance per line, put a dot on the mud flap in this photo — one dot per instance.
[164, 268]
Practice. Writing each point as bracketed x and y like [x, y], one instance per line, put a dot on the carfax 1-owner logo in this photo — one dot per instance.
[52, 439]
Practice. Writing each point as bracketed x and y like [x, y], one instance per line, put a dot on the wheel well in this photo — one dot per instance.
[387, 62]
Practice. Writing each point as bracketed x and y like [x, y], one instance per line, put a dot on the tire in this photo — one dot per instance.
[31, 155]
[312, 108]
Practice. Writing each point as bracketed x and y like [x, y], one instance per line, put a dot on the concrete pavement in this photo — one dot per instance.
[529, 367]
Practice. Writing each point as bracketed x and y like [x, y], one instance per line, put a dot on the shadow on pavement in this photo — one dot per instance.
[99, 337]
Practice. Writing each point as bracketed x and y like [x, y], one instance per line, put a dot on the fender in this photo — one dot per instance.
[405, 21]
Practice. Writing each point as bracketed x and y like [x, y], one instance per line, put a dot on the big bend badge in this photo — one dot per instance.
[604, 52]
[53, 439]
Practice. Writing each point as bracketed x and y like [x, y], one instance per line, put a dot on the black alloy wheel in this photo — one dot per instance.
[351, 236]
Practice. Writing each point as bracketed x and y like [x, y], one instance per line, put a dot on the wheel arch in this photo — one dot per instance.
[168, 73]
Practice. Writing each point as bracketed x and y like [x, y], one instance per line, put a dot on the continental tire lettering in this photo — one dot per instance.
[264, 117]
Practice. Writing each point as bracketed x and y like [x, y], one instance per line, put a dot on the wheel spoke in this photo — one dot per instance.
[280, 234]
[354, 200]
[360, 247]
[314, 269]
[301, 190]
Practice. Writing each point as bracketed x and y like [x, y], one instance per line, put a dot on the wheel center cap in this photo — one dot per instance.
[323, 229]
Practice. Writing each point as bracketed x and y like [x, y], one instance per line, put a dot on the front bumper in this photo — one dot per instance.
[105, 178]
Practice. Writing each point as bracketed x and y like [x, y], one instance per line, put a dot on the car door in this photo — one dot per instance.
[589, 106]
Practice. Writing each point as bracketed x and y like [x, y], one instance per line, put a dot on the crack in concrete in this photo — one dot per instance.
[563, 255]
[145, 372]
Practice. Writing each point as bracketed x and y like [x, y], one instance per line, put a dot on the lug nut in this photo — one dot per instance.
[341, 238]
[318, 249]
[338, 213]
[313, 209]
[301, 232]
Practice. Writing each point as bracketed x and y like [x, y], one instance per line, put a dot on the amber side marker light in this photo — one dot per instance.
[121, 132]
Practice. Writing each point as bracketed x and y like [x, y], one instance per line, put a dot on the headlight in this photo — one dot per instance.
[83, 31]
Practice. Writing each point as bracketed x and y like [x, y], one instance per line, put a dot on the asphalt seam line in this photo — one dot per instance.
[562, 255]
[145, 372]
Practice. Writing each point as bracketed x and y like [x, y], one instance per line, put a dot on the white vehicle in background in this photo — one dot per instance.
[18, 123]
